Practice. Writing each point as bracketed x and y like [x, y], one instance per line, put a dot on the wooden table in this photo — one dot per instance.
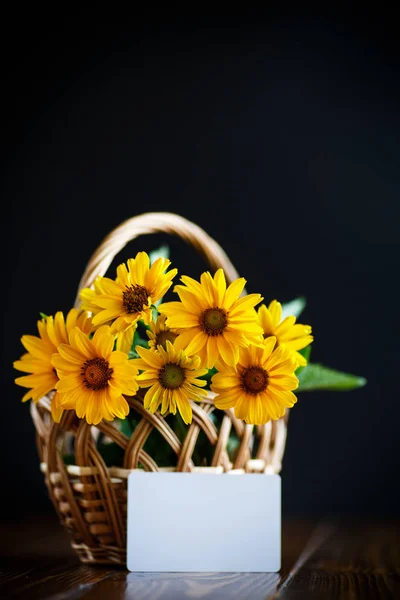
[321, 560]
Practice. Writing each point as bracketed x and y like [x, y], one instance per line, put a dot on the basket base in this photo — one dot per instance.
[101, 555]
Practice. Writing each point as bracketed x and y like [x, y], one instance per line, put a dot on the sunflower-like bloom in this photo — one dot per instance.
[53, 331]
[260, 387]
[172, 379]
[93, 377]
[159, 333]
[121, 303]
[289, 334]
[212, 320]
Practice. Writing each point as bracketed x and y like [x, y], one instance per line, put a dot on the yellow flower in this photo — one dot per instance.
[53, 331]
[93, 377]
[172, 379]
[159, 333]
[260, 387]
[288, 334]
[211, 319]
[121, 303]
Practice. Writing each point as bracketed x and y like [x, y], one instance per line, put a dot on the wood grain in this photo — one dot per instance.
[322, 561]
[350, 561]
[174, 586]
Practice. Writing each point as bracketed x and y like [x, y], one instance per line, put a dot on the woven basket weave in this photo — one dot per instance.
[89, 497]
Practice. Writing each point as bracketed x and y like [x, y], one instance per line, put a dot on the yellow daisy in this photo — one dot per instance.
[260, 387]
[212, 320]
[172, 379]
[42, 379]
[159, 333]
[121, 303]
[93, 377]
[289, 334]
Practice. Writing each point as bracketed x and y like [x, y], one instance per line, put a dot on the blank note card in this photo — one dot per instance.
[190, 522]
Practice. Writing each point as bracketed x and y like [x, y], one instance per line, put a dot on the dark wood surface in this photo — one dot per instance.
[321, 560]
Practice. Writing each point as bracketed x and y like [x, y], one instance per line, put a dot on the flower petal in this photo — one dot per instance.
[103, 342]
[81, 342]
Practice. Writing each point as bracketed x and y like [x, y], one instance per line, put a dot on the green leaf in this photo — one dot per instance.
[69, 459]
[179, 427]
[154, 309]
[208, 376]
[233, 445]
[159, 449]
[295, 307]
[137, 341]
[161, 252]
[111, 453]
[318, 377]
[125, 427]
[43, 315]
[306, 352]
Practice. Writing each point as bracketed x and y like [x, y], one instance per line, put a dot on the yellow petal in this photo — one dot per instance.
[245, 303]
[265, 320]
[81, 342]
[207, 284]
[92, 412]
[195, 345]
[190, 301]
[105, 316]
[37, 347]
[184, 406]
[269, 345]
[103, 342]
[60, 329]
[151, 358]
[233, 292]
[125, 340]
[31, 365]
[228, 353]
[220, 284]
[56, 409]
[275, 309]
[154, 390]
[70, 354]
[212, 350]
[69, 382]
[225, 401]
[47, 380]
[286, 325]
[69, 399]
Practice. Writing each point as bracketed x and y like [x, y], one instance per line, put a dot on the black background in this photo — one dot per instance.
[280, 137]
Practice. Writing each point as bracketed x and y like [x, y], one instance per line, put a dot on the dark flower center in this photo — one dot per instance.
[213, 321]
[254, 380]
[96, 373]
[171, 376]
[165, 336]
[135, 297]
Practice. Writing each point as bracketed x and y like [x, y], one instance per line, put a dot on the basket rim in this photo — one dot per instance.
[118, 474]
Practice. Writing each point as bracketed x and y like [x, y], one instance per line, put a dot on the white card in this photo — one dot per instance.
[191, 522]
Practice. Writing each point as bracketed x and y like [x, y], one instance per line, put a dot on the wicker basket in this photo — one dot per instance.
[91, 498]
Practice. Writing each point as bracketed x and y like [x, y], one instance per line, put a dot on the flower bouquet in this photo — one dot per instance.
[128, 380]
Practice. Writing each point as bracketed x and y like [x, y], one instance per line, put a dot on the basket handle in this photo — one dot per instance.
[155, 222]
